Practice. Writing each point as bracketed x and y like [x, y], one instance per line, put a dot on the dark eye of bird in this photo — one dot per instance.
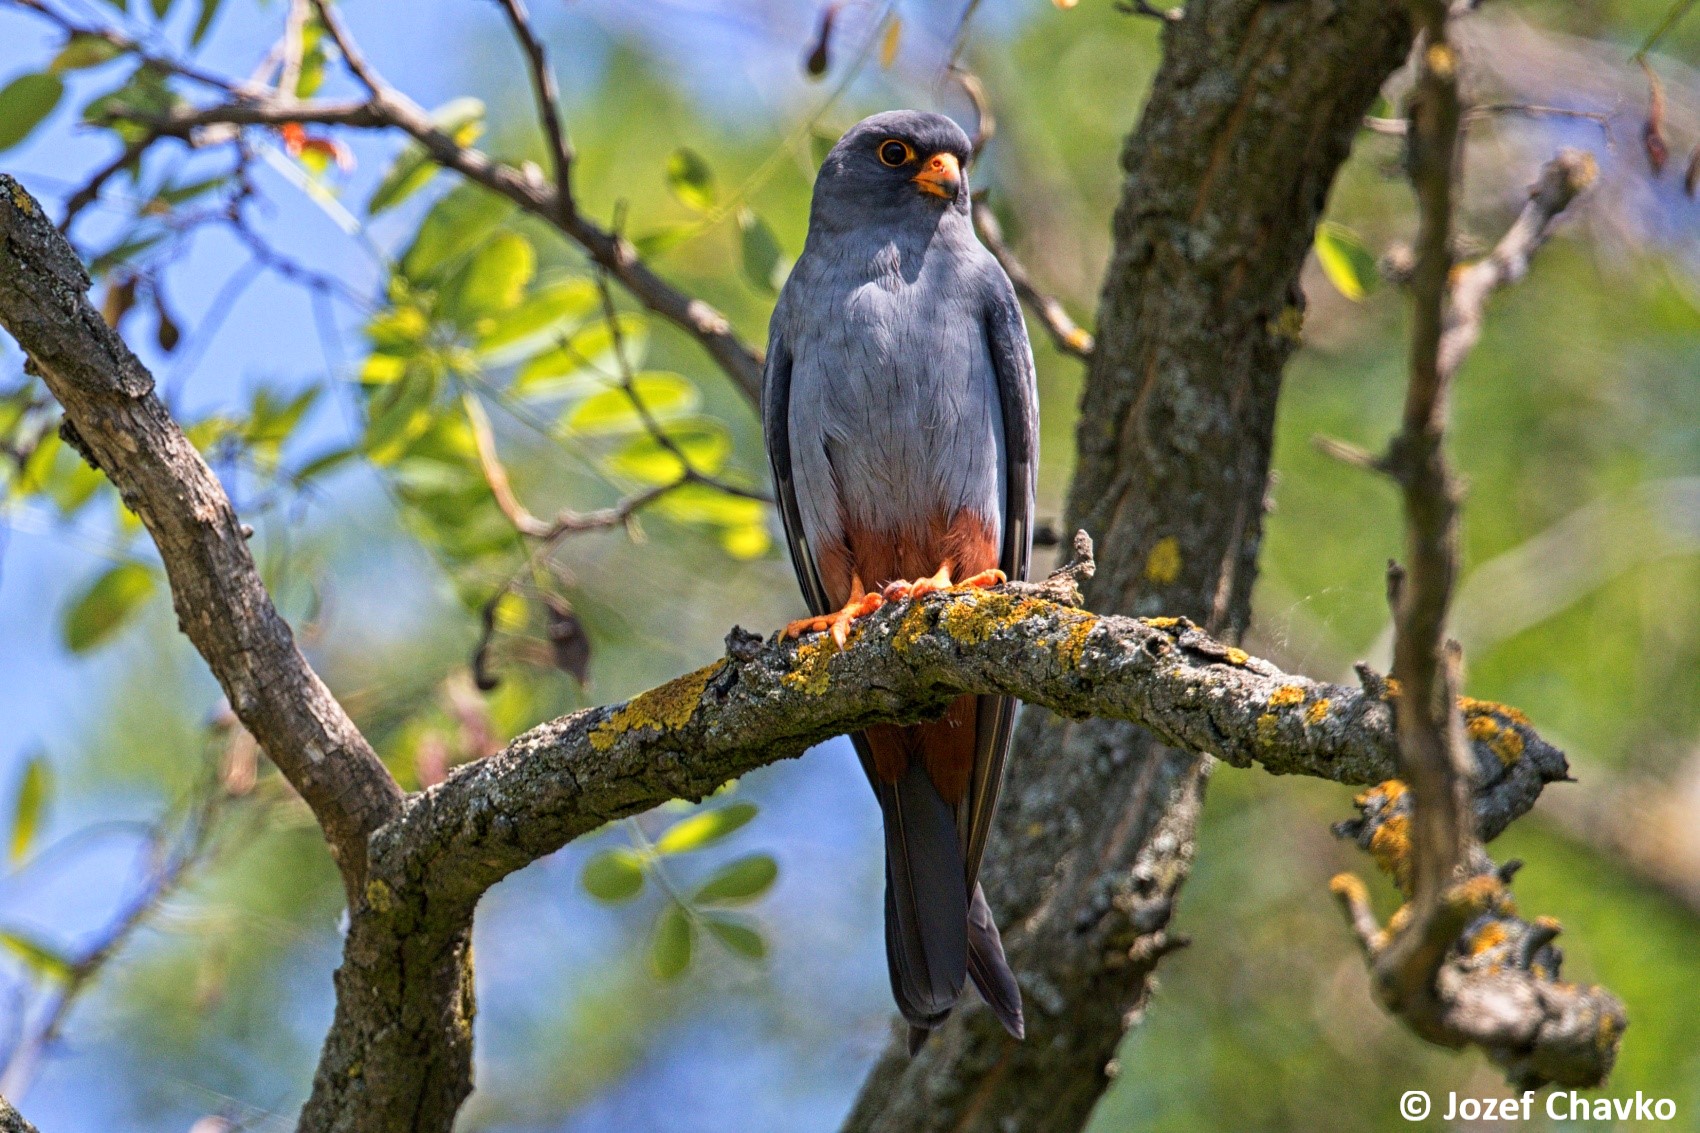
[895, 153]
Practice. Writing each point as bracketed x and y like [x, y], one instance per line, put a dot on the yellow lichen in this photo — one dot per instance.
[663, 707]
[1470, 706]
[1478, 894]
[1490, 935]
[1390, 846]
[813, 657]
[909, 630]
[1289, 324]
[1163, 564]
[975, 617]
[1317, 712]
[1286, 696]
[1350, 886]
[1073, 642]
[1481, 727]
[1392, 692]
[1266, 726]
[1607, 1037]
[1237, 656]
[379, 896]
[1162, 623]
[1508, 745]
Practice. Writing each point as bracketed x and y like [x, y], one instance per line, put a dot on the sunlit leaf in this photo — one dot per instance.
[738, 937]
[1346, 261]
[890, 42]
[462, 119]
[550, 311]
[587, 354]
[704, 443]
[455, 227]
[72, 482]
[323, 463]
[105, 605]
[270, 421]
[691, 180]
[659, 240]
[761, 253]
[746, 541]
[24, 102]
[665, 396]
[820, 144]
[82, 51]
[313, 57]
[670, 947]
[613, 875]
[43, 960]
[739, 881]
[35, 786]
[704, 828]
[493, 281]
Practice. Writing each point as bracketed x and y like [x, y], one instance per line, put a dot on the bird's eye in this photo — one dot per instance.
[894, 153]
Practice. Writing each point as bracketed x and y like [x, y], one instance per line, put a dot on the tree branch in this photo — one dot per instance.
[768, 701]
[11, 1121]
[113, 417]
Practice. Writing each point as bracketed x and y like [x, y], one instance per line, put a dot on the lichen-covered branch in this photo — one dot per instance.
[766, 701]
[1456, 962]
[114, 419]
[11, 1121]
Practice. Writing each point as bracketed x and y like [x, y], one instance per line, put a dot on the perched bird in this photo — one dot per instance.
[902, 427]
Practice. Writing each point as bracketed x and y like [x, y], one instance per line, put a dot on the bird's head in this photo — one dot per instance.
[902, 163]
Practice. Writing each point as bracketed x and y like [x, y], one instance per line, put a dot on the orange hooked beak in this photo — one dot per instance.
[941, 176]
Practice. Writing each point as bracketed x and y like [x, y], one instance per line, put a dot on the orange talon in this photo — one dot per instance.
[984, 580]
[902, 591]
[837, 624]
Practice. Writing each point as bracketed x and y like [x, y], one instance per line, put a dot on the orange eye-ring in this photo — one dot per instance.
[895, 153]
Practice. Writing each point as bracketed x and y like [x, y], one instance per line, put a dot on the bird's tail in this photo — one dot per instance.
[926, 902]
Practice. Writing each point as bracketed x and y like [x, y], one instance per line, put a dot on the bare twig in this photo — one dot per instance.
[1068, 336]
[548, 103]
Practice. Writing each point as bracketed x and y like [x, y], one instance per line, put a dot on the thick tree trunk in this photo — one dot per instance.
[1251, 114]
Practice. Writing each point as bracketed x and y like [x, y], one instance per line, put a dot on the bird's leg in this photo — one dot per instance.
[902, 591]
[838, 624]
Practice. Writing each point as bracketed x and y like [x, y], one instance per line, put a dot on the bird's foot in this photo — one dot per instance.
[901, 591]
[837, 624]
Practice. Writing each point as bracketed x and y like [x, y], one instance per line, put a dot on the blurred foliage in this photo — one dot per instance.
[485, 345]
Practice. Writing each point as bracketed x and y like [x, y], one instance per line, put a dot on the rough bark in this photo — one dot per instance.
[116, 422]
[1251, 114]
[11, 1121]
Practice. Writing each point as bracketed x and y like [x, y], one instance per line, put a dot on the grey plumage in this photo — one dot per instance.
[899, 389]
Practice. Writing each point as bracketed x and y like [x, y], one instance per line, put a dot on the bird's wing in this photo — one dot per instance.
[776, 414]
[1018, 399]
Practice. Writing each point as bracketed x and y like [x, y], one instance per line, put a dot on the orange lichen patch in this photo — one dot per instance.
[1481, 727]
[813, 660]
[1266, 726]
[1393, 689]
[1478, 894]
[1350, 887]
[1490, 935]
[1390, 846]
[1606, 1037]
[1396, 923]
[1470, 706]
[1317, 712]
[1163, 564]
[1237, 656]
[1079, 627]
[1392, 790]
[1508, 745]
[662, 708]
[1286, 696]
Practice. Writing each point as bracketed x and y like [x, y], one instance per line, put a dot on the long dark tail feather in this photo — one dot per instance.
[988, 968]
[926, 907]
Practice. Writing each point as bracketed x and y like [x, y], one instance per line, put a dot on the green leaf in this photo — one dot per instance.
[313, 57]
[613, 875]
[82, 51]
[670, 947]
[551, 311]
[462, 119]
[704, 443]
[323, 463]
[34, 789]
[204, 22]
[1346, 261]
[703, 503]
[455, 227]
[160, 8]
[24, 102]
[659, 240]
[105, 605]
[738, 937]
[746, 541]
[270, 422]
[42, 959]
[493, 281]
[665, 396]
[761, 252]
[691, 180]
[820, 144]
[704, 828]
[587, 354]
[739, 881]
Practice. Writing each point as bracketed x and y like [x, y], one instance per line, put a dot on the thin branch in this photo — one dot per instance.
[1068, 336]
[548, 103]
[114, 419]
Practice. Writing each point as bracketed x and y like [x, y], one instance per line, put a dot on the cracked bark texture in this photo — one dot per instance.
[1250, 116]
